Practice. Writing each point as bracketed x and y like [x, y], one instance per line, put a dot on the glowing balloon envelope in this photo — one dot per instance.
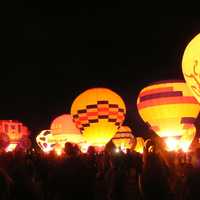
[168, 107]
[43, 141]
[191, 66]
[64, 130]
[98, 113]
[124, 138]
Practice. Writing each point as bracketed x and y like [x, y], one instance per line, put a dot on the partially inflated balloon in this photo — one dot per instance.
[98, 113]
[191, 66]
[64, 130]
[123, 138]
[168, 107]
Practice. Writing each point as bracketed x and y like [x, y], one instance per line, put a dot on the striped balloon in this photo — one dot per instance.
[168, 107]
[98, 113]
[124, 138]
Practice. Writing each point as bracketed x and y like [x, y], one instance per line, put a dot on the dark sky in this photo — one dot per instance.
[54, 51]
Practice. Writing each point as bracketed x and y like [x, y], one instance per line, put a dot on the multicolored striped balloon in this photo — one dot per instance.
[168, 107]
[98, 113]
[124, 138]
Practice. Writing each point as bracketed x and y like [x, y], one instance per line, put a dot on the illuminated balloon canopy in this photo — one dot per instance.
[43, 141]
[14, 132]
[191, 66]
[124, 138]
[63, 129]
[168, 107]
[98, 113]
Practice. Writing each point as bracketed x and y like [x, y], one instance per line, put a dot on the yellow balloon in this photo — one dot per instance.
[123, 138]
[168, 107]
[98, 113]
[191, 66]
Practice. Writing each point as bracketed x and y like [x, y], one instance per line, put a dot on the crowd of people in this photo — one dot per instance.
[106, 175]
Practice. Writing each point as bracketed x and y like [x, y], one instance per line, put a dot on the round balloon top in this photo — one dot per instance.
[96, 96]
[191, 66]
[168, 107]
[98, 112]
[64, 125]
[124, 129]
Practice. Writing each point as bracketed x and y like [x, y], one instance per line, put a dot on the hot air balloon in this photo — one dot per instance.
[98, 113]
[64, 130]
[191, 66]
[169, 108]
[139, 145]
[44, 142]
[124, 138]
[15, 131]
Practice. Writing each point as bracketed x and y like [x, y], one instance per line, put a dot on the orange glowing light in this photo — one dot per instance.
[172, 144]
[84, 147]
[58, 149]
[139, 145]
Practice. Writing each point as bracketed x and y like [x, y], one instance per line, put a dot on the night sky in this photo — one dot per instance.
[55, 51]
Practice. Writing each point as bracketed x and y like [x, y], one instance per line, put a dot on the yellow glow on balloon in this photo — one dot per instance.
[168, 107]
[191, 66]
[64, 130]
[98, 112]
